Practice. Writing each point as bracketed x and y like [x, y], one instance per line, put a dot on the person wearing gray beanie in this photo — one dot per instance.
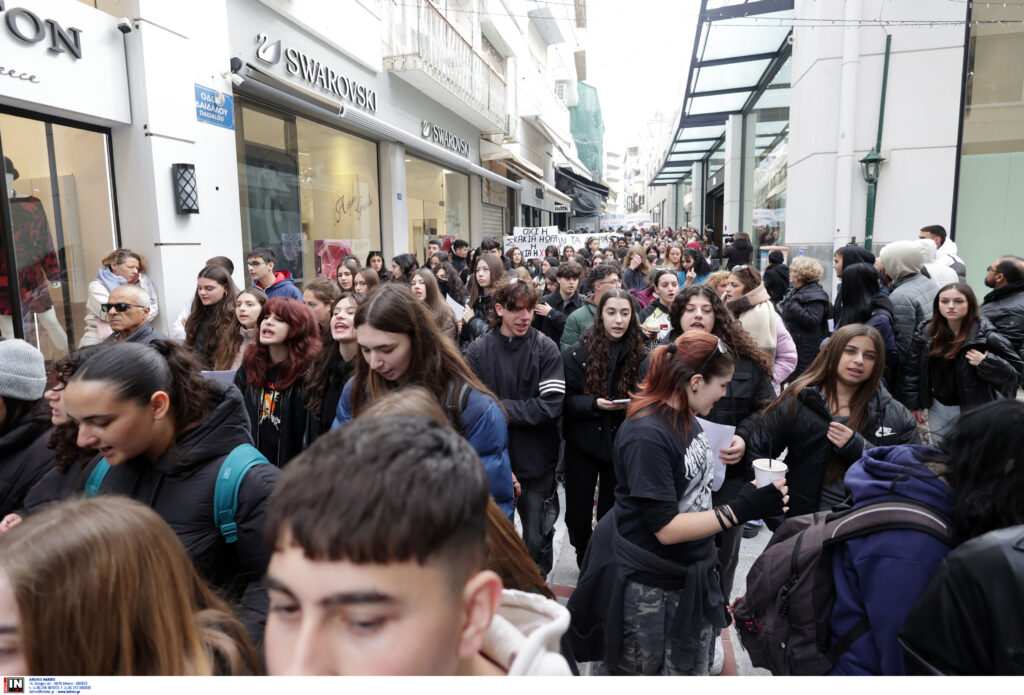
[24, 423]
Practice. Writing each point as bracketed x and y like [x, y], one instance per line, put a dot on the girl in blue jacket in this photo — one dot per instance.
[401, 344]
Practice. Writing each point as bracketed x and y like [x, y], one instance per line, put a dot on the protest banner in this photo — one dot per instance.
[532, 240]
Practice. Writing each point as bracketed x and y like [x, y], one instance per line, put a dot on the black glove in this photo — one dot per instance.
[756, 503]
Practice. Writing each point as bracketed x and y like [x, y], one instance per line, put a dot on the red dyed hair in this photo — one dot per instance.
[303, 343]
[670, 374]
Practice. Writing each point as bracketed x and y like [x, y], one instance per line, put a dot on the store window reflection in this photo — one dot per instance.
[308, 191]
[438, 205]
[771, 155]
[59, 219]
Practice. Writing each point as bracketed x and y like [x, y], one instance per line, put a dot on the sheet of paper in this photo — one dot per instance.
[719, 437]
[831, 326]
[457, 308]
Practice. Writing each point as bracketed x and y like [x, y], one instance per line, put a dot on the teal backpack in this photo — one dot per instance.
[225, 493]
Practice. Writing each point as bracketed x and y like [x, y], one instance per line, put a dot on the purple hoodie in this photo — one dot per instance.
[881, 576]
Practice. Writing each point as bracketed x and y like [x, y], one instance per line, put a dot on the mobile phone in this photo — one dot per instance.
[620, 401]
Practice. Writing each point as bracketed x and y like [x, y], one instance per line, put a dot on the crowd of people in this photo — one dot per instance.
[327, 479]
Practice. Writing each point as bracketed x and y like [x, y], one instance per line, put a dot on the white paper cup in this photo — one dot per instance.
[767, 471]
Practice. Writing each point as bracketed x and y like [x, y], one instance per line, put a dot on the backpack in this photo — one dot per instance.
[783, 620]
[225, 492]
[643, 297]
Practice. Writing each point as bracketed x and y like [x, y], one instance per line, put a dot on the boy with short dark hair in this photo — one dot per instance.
[524, 369]
[379, 537]
[553, 310]
[276, 283]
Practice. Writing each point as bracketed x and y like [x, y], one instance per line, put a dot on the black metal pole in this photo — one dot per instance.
[58, 227]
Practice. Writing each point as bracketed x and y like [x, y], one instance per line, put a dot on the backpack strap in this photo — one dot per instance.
[885, 516]
[229, 480]
[92, 485]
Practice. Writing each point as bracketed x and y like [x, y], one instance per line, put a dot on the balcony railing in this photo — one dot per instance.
[418, 36]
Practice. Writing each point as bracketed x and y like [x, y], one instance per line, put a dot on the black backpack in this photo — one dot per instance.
[783, 620]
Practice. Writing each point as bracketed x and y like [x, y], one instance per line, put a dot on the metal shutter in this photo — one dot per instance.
[492, 220]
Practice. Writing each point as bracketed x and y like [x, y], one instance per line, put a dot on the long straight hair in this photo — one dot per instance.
[497, 269]
[319, 377]
[303, 342]
[857, 291]
[436, 363]
[670, 373]
[220, 342]
[825, 367]
[434, 301]
[945, 343]
[122, 596]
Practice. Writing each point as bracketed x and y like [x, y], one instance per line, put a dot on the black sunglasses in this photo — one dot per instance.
[721, 349]
[120, 306]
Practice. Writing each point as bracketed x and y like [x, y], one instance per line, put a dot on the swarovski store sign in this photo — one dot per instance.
[64, 59]
[315, 72]
[444, 138]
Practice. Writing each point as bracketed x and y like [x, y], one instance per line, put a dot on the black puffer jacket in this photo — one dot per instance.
[553, 324]
[776, 281]
[585, 426]
[737, 253]
[1004, 307]
[803, 430]
[295, 427]
[995, 377]
[526, 375]
[967, 621]
[806, 312]
[179, 487]
[24, 459]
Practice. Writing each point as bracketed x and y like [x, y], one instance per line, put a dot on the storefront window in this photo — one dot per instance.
[770, 155]
[438, 205]
[308, 191]
[989, 204]
[60, 221]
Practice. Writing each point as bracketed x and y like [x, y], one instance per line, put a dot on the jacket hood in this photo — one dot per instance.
[930, 250]
[525, 634]
[222, 430]
[882, 303]
[899, 470]
[283, 277]
[902, 258]
[852, 253]
[948, 247]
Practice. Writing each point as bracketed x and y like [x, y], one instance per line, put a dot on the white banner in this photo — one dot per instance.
[532, 241]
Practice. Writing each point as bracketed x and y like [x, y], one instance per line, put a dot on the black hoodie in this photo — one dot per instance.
[24, 459]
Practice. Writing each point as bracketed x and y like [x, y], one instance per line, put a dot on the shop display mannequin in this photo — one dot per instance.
[37, 266]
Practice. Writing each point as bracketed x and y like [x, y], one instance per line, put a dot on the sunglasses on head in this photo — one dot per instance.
[120, 306]
[721, 349]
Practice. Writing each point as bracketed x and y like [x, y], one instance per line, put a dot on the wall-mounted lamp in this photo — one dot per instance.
[186, 189]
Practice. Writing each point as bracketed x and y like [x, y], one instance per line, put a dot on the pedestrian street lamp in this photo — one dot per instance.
[869, 170]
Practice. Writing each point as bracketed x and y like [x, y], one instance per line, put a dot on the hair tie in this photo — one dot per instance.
[672, 348]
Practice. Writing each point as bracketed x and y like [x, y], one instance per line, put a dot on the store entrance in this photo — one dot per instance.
[58, 223]
[714, 209]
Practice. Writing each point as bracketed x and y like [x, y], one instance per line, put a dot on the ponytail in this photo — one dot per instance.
[136, 371]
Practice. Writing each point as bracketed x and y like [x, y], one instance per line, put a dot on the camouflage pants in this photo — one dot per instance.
[647, 616]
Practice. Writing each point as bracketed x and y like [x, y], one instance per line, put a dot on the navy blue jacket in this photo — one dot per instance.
[485, 428]
[881, 576]
[283, 286]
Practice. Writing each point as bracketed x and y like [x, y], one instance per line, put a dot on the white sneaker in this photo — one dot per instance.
[719, 661]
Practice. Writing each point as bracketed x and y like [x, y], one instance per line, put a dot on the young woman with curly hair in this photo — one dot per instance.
[600, 369]
[271, 375]
[210, 328]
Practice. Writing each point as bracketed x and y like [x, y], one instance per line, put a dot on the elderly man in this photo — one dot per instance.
[127, 309]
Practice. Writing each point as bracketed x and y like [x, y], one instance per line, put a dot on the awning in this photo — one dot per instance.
[263, 85]
[587, 195]
[738, 49]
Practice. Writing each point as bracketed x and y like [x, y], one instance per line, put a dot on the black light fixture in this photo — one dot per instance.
[186, 189]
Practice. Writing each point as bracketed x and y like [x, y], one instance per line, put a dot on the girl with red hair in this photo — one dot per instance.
[271, 378]
[648, 579]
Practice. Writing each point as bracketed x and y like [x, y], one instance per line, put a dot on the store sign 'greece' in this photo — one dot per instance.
[315, 72]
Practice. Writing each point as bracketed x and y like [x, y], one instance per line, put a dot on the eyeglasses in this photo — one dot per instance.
[720, 350]
[120, 306]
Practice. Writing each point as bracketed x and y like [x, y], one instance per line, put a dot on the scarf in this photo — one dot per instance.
[110, 279]
[755, 313]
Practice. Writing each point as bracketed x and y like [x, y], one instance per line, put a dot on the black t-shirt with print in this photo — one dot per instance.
[655, 463]
[268, 418]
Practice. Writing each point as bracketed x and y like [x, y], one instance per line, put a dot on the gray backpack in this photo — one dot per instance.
[783, 620]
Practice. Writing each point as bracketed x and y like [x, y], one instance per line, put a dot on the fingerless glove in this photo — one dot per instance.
[756, 503]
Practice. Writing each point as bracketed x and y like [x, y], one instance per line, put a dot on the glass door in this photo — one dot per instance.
[58, 223]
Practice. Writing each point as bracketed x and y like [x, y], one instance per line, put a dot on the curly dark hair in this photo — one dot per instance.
[64, 438]
[726, 326]
[599, 351]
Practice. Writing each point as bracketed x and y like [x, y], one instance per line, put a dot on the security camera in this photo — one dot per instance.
[237, 79]
[124, 25]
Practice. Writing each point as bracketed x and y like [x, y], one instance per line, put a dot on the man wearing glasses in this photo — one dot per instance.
[127, 309]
